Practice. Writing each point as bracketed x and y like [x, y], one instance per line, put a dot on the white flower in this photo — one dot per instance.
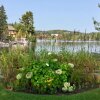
[71, 65]
[19, 76]
[55, 60]
[68, 87]
[64, 89]
[66, 84]
[59, 71]
[22, 69]
[49, 53]
[29, 75]
[47, 64]
[71, 88]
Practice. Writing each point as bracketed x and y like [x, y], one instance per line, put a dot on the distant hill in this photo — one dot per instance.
[69, 35]
[56, 31]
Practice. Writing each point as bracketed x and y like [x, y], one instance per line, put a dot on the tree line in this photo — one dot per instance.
[68, 35]
[25, 27]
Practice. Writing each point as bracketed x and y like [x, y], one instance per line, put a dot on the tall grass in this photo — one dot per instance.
[12, 60]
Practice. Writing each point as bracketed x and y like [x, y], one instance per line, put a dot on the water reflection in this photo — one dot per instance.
[58, 45]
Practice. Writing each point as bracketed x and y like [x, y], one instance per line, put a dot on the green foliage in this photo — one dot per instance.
[10, 38]
[27, 22]
[46, 72]
[3, 23]
[96, 23]
[68, 35]
[21, 31]
[26, 27]
[84, 63]
[44, 76]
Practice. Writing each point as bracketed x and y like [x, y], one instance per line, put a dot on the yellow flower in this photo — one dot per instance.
[49, 80]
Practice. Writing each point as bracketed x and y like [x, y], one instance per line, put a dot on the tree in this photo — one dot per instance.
[96, 23]
[27, 22]
[3, 23]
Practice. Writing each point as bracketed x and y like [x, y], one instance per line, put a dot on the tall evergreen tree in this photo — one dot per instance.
[3, 23]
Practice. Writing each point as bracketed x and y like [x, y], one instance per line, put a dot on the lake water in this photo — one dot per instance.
[74, 46]
[58, 45]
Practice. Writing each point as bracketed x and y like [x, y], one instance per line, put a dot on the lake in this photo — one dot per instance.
[73, 46]
[58, 45]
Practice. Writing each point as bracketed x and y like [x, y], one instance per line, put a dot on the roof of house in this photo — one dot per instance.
[11, 28]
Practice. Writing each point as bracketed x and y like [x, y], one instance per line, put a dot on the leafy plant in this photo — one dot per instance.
[45, 76]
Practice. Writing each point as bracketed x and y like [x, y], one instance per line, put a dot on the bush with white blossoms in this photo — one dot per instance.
[19, 76]
[46, 76]
[29, 75]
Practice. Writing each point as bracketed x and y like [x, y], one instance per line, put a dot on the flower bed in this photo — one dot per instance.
[47, 73]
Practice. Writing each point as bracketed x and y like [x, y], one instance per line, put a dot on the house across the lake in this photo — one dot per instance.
[11, 31]
[55, 35]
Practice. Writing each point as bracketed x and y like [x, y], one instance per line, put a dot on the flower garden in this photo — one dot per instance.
[48, 72]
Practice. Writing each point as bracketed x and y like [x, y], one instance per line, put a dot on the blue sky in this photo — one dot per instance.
[55, 14]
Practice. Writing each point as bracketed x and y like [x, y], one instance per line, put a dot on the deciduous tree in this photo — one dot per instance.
[96, 23]
[27, 22]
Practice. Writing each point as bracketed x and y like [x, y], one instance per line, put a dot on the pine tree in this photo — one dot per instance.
[3, 23]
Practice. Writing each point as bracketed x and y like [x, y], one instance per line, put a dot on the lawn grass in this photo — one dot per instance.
[88, 95]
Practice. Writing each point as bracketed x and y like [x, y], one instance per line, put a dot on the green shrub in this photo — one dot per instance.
[44, 76]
